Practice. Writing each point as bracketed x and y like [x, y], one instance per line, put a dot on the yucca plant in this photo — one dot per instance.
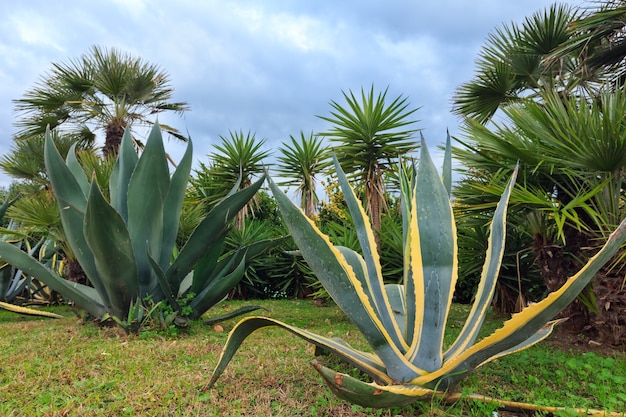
[404, 323]
[125, 244]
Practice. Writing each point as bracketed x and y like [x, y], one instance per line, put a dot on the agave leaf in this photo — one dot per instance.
[538, 336]
[173, 206]
[447, 165]
[231, 314]
[164, 284]
[209, 270]
[86, 297]
[29, 311]
[72, 204]
[489, 275]
[217, 289]
[367, 363]
[6, 204]
[108, 238]
[120, 175]
[77, 170]
[397, 300]
[371, 394]
[413, 282]
[523, 325]
[438, 250]
[208, 231]
[149, 185]
[339, 279]
[373, 279]
[206, 266]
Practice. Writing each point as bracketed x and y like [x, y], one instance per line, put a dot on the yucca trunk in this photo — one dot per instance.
[374, 196]
[308, 202]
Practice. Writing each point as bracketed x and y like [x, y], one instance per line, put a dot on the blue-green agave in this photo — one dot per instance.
[404, 323]
[125, 244]
[12, 281]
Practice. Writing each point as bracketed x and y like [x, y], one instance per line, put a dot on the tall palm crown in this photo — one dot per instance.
[104, 88]
[371, 134]
[300, 162]
[598, 41]
[513, 64]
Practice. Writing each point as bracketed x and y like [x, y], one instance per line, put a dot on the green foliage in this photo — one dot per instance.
[236, 160]
[371, 133]
[513, 64]
[572, 152]
[404, 324]
[89, 369]
[104, 88]
[125, 243]
[518, 270]
[280, 272]
[300, 162]
[16, 287]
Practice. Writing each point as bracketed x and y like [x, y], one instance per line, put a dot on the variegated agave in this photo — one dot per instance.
[404, 324]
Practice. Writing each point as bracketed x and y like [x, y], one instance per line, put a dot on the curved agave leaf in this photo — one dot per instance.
[120, 176]
[489, 275]
[372, 279]
[77, 170]
[173, 206]
[364, 361]
[208, 231]
[108, 239]
[147, 191]
[218, 287]
[341, 282]
[72, 204]
[438, 263]
[371, 394]
[86, 297]
[29, 311]
[523, 325]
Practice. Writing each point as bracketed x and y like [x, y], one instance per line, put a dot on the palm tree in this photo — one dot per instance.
[371, 135]
[301, 161]
[556, 79]
[572, 153]
[104, 88]
[512, 64]
[597, 39]
[236, 160]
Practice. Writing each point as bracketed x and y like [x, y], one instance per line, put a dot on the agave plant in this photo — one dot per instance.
[125, 244]
[404, 323]
[12, 281]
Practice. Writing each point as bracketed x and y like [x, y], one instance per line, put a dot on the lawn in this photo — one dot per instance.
[67, 368]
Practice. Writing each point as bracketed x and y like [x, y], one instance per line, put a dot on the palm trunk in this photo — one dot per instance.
[113, 139]
[556, 266]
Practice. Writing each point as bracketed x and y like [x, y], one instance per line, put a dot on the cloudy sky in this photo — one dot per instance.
[269, 67]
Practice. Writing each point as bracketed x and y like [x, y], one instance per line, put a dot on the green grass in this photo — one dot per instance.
[66, 368]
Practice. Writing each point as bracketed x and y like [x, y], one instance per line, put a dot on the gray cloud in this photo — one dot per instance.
[269, 67]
